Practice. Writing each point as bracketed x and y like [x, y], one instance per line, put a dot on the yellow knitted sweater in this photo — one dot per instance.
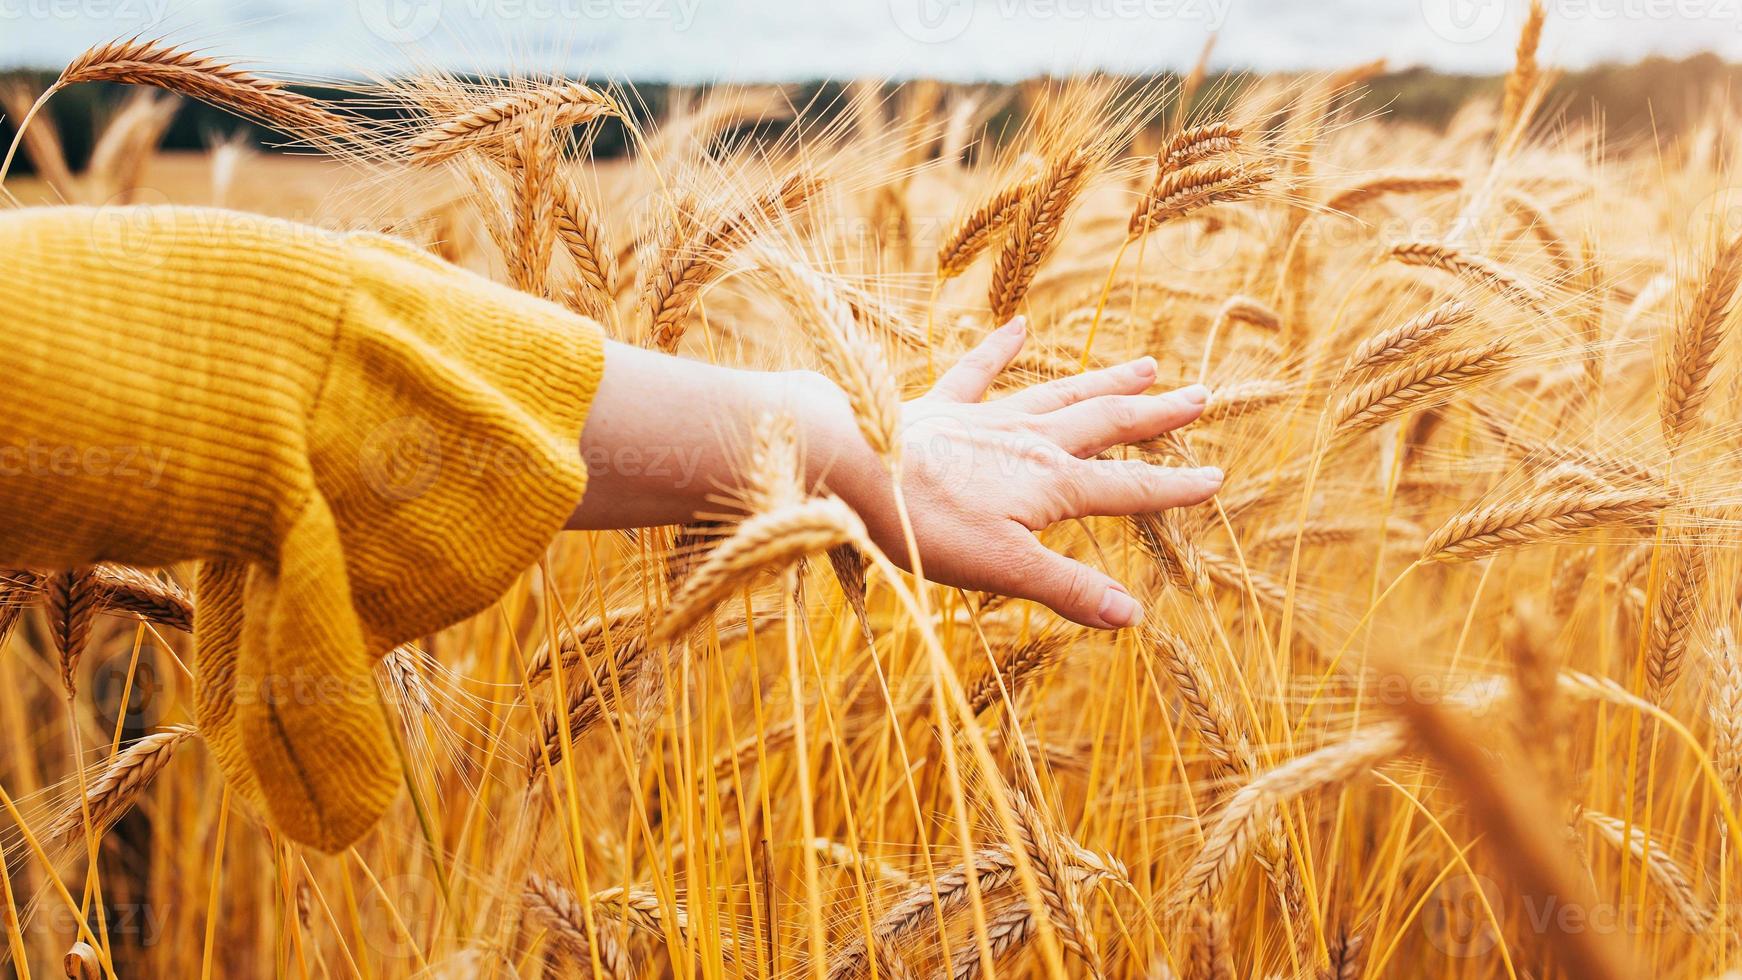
[358, 442]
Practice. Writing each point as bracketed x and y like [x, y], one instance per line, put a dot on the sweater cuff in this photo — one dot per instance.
[446, 436]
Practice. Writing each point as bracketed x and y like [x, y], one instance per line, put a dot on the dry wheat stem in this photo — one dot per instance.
[1240, 818]
[1422, 383]
[119, 587]
[762, 542]
[112, 792]
[582, 235]
[1210, 716]
[980, 229]
[695, 257]
[1409, 338]
[1386, 184]
[1724, 709]
[155, 63]
[1673, 617]
[850, 356]
[562, 912]
[1522, 80]
[1474, 269]
[546, 108]
[1345, 960]
[1160, 536]
[1484, 529]
[1231, 401]
[1059, 889]
[1211, 959]
[1659, 866]
[1035, 229]
[1016, 668]
[1195, 144]
[1694, 344]
[69, 602]
[1182, 192]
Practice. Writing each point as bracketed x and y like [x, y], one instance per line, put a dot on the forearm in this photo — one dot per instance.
[668, 437]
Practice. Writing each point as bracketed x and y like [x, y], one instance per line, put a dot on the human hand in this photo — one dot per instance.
[981, 478]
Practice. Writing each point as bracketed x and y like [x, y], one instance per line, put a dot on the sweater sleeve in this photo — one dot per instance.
[360, 443]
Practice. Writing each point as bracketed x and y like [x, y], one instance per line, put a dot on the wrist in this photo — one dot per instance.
[836, 457]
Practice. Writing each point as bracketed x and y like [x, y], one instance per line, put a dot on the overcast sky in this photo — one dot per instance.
[748, 40]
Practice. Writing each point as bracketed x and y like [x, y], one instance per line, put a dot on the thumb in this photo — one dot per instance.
[1075, 591]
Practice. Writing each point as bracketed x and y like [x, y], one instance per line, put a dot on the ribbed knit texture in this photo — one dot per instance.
[361, 444]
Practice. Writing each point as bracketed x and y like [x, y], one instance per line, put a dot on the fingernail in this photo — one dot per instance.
[1144, 367]
[1016, 325]
[1195, 394]
[1119, 610]
[1211, 475]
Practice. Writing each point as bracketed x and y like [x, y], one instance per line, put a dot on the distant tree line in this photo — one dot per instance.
[1655, 96]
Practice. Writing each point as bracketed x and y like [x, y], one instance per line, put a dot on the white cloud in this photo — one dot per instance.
[782, 39]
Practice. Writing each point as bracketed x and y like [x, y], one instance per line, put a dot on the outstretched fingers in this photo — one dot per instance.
[1122, 487]
[1131, 378]
[1098, 424]
[970, 377]
[1070, 588]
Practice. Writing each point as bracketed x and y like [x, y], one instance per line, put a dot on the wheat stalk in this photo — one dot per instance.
[1673, 617]
[1237, 822]
[41, 141]
[1484, 529]
[1210, 717]
[1053, 872]
[114, 791]
[1387, 184]
[549, 107]
[532, 162]
[136, 61]
[690, 265]
[18, 588]
[1195, 144]
[1659, 866]
[1345, 959]
[1522, 80]
[1245, 309]
[1724, 708]
[1035, 228]
[980, 228]
[849, 354]
[562, 912]
[1016, 668]
[119, 587]
[1422, 383]
[1231, 401]
[1408, 339]
[1473, 269]
[765, 541]
[1181, 192]
[582, 235]
[1694, 343]
[69, 602]
[992, 867]
[1180, 562]
[1211, 959]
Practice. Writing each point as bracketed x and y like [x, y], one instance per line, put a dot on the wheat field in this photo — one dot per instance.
[1445, 682]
